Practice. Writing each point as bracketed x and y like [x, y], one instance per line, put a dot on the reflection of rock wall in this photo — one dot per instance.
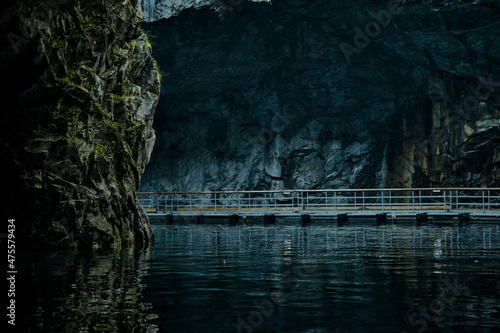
[266, 99]
[98, 294]
[82, 91]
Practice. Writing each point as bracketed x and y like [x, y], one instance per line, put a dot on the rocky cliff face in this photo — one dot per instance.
[81, 88]
[328, 94]
[155, 10]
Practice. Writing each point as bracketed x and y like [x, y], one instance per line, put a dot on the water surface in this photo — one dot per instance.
[282, 278]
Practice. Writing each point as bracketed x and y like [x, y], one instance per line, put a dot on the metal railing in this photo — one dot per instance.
[447, 200]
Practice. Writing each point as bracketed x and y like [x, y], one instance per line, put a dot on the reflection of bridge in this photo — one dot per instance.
[460, 204]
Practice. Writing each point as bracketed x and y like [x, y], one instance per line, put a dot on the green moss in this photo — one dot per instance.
[101, 110]
[115, 125]
[102, 151]
[138, 124]
[119, 100]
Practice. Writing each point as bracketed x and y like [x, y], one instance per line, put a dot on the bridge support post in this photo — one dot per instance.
[200, 219]
[234, 220]
[341, 219]
[381, 219]
[269, 219]
[422, 218]
[463, 218]
[306, 219]
[169, 219]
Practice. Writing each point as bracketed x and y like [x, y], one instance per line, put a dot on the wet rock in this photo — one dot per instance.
[328, 94]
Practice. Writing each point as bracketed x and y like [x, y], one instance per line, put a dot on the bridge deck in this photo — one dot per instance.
[395, 203]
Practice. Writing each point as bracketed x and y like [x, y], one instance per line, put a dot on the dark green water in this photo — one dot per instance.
[283, 278]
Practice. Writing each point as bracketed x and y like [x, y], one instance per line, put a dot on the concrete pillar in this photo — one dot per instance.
[381, 219]
[342, 219]
[463, 219]
[234, 220]
[269, 219]
[422, 218]
[306, 219]
[169, 219]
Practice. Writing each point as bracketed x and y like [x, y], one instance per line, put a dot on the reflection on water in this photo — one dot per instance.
[283, 278]
[86, 292]
[325, 279]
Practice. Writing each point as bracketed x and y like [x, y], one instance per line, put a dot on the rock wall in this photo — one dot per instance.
[328, 94]
[81, 91]
[155, 10]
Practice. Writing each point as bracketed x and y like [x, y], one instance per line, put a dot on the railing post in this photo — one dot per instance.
[335, 201]
[483, 200]
[444, 200]
[265, 201]
[420, 199]
[355, 208]
[326, 202]
[451, 201]
[307, 200]
[190, 202]
[155, 195]
[215, 202]
[382, 200]
[489, 203]
[413, 200]
[363, 194]
[390, 200]
[456, 199]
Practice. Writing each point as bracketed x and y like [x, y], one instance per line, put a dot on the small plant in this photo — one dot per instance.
[148, 36]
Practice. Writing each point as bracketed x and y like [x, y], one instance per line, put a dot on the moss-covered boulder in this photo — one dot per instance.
[81, 88]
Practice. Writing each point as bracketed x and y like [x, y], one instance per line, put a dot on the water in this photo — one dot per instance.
[283, 278]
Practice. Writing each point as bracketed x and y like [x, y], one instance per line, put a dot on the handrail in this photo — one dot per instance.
[446, 200]
[333, 190]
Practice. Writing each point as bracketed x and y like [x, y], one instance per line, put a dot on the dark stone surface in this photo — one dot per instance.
[266, 99]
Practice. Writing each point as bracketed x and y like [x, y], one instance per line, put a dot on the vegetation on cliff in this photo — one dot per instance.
[82, 88]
